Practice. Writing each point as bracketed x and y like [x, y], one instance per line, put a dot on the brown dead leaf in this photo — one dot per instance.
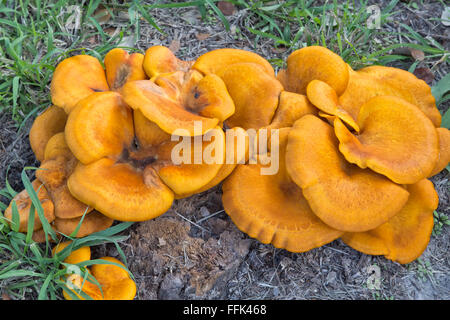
[280, 49]
[102, 15]
[226, 7]
[417, 54]
[202, 36]
[175, 45]
[6, 296]
[425, 74]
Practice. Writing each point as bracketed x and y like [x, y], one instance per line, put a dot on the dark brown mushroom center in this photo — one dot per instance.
[138, 158]
[121, 76]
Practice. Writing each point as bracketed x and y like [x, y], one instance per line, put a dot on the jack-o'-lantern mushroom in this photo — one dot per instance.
[373, 81]
[92, 222]
[76, 256]
[77, 77]
[314, 63]
[22, 202]
[159, 60]
[45, 126]
[215, 60]
[341, 194]
[396, 139]
[180, 100]
[405, 236]
[444, 151]
[325, 99]
[115, 282]
[254, 92]
[135, 180]
[271, 207]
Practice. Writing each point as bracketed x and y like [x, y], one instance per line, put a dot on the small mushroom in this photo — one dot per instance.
[373, 81]
[254, 92]
[76, 256]
[92, 222]
[314, 63]
[23, 203]
[341, 194]
[115, 282]
[272, 209]
[396, 139]
[291, 107]
[405, 236]
[122, 67]
[215, 60]
[76, 78]
[325, 99]
[159, 60]
[45, 126]
[180, 100]
[444, 151]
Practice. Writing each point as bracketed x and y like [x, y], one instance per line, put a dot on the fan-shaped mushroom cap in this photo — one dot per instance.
[254, 92]
[186, 178]
[272, 209]
[122, 67]
[315, 63]
[76, 78]
[159, 104]
[342, 195]
[120, 191]
[369, 82]
[396, 139]
[147, 132]
[292, 106]
[45, 126]
[92, 222]
[444, 150]
[57, 146]
[76, 256]
[405, 236]
[237, 148]
[159, 60]
[213, 61]
[115, 281]
[23, 203]
[325, 98]
[100, 125]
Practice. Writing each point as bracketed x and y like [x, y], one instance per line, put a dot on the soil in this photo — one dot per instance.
[194, 251]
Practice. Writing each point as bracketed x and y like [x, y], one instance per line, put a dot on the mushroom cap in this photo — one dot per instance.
[292, 106]
[315, 63]
[186, 178]
[213, 61]
[76, 256]
[76, 78]
[158, 105]
[115, 281]
[254, 92]
[237, 141]
[325, 99]
[45, 126]
[147, 132]
[58, 165]
[93, 222]
[100, 125]
[120, 191]
[272, 209]
[78, 283]
[160, 59]
[396, 139]
[57, 146]
[405, 236]
[23, 203]
[341, 194]
[373, 81]
[444, 150]
[122, 67]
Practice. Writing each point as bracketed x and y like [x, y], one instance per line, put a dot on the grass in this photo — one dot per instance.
[29, 269]
[36, 35]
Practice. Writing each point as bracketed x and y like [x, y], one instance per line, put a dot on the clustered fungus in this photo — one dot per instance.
[354, 148]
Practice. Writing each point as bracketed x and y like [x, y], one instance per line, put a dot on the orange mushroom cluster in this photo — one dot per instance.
[353, 149]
